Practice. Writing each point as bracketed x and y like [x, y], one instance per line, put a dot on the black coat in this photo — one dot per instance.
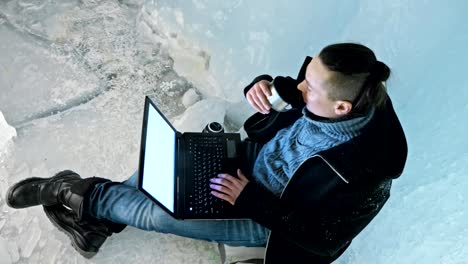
[333, 195]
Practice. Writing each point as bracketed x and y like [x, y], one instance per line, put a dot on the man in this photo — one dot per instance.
[322, 174]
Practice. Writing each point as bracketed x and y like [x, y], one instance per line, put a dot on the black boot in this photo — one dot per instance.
[75, 196]
[66, 188]
[36, 191]
[69, 190]
[86, 236]
[86, 233]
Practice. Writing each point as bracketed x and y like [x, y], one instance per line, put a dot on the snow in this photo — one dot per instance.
[74, 75]
[195, 117]
[7, 133]
[30, 238]
[190, 97]
[4, 253]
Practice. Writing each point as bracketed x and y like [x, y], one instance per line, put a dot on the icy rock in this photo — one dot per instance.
[21, 172]
[190, 97]
[53, 247]
[30, 238]
[7, 132]
[4, 254]
[132, 2]
[40, 170]
[13, 251]
[2, 223]
[17, 220]
[195, 118]
[3, 183]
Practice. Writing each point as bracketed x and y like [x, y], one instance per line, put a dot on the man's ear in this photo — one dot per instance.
[343, 107]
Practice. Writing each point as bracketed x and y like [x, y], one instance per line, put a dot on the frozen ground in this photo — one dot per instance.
[73, 79]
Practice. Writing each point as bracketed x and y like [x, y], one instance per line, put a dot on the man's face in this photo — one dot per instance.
[314, 89]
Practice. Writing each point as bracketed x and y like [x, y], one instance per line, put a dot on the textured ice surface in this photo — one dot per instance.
[74, 77]
[7, 133]
[4, 253]
[29, 237]
[201, 113]
[190, 97]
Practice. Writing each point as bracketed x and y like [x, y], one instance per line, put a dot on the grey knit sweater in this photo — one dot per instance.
[281, 156]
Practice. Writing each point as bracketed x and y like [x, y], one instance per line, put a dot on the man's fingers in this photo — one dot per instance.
[262, 100]
[257, 97]
[257, 102]
[228, 177]
[249, 99]
[228, 187]
[228, 181]
[265, 88]
[253, 102]
[223, 196]
[242, 176]
[221, 188]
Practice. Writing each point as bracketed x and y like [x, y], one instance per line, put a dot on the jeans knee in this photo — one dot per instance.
[132, 180]
[154, 219]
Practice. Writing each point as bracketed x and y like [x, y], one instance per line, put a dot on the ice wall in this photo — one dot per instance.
[423, 42]
[73, 78]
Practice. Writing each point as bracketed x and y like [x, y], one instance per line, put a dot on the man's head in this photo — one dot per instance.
[344, 78]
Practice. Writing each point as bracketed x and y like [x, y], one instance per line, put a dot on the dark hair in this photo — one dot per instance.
[359, 75]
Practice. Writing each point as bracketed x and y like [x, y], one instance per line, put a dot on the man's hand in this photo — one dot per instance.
[257, 96]
[228, 187]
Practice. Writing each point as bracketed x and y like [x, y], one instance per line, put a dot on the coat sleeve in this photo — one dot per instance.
[299, 215]
[266, 77]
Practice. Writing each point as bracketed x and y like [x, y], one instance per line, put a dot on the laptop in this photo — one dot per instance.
[175, 168]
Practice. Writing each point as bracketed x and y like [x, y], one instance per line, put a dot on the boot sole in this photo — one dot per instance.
[32, 179]
[78, 242]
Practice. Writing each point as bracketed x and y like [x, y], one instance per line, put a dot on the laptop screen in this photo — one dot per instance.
[159, 158]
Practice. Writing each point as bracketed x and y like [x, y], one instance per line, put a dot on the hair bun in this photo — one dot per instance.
[379, 71]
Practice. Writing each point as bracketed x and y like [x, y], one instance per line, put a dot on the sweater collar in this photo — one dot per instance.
[343, 128]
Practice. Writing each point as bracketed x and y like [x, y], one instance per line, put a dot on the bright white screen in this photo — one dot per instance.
[158, 170]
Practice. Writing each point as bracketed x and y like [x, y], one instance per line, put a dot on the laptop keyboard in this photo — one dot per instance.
[206, 153]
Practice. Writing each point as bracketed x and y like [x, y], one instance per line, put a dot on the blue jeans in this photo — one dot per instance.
[123, 203]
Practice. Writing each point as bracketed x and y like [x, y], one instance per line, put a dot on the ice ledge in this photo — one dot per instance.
[7, 133]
